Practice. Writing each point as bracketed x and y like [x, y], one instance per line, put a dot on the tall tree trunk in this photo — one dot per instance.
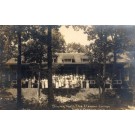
[50, 88]
[39, 79]
[100, 95]
[19, 95]
[104, 81]
[114, 63]
[104, 41]
[1, 66]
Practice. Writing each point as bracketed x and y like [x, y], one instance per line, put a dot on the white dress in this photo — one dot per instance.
[87, 84]
[57, 84]
[46, 83]
[59, 81]
[29, 83]
[66, 84]
[42, 83]
[81, 84]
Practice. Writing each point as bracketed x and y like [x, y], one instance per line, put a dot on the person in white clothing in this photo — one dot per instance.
[33, 82]
[66, 83]
[87, 84]
[57, 84]
[29, 83]
[81, 83]
[46, 83]
[42, 83]
[83, 77]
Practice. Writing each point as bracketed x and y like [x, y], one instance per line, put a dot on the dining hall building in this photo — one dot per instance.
[72, 65]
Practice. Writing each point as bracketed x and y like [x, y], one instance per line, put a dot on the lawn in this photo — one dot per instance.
[82, 100]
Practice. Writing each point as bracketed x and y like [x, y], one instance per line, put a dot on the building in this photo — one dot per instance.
[72, 64]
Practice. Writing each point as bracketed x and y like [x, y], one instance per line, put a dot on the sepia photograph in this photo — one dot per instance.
[67, 67]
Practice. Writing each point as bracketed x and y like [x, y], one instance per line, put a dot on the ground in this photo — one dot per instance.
[83, 100]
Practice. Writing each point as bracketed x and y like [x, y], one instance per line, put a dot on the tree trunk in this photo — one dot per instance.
[104, 81]
[50, 89]
[100, 98]
[19, 95]
[39, 78]
[104, 41]
[114, 63]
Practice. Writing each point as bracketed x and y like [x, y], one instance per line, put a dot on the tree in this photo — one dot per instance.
[3, 52]
[109, 40]
[49, 59]
[19, 92]
[19, 31]
[121, 39]
[20, 40]
[11, 45]
[44, 42]
[74, 47]
[8, 47]
[100, 54]
[35, 51]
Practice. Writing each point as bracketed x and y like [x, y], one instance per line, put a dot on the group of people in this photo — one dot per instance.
[68, 81]
[29, 82]
[59, 81]
[34, 83]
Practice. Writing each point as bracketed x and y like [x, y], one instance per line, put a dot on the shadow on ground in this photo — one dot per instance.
[81, 100]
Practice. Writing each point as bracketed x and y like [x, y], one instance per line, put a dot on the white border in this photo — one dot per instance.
[73, 12]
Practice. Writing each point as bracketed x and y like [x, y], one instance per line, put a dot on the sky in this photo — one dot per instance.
[70, 35]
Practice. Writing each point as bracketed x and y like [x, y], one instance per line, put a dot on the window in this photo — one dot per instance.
[92, 82]
[73, 60]
[85, 60]
[69, 60]
[117, 82]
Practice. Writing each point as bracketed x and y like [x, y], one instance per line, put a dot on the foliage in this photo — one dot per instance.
[75, 48]
[108, 42]
[36, 50]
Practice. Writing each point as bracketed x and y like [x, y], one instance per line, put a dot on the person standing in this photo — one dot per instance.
[87, 84]
[66, 83]
[33, 82]
[57, 84]
[46, 83]
[81, 82]
[26, 83]
[29, 83]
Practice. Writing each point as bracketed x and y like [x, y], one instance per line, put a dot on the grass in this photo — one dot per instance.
[82, 100]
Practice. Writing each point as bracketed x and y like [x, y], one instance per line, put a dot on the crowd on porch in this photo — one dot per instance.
[59, 81]
[64, 81]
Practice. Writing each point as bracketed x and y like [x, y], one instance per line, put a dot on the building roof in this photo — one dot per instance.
[78, 58]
